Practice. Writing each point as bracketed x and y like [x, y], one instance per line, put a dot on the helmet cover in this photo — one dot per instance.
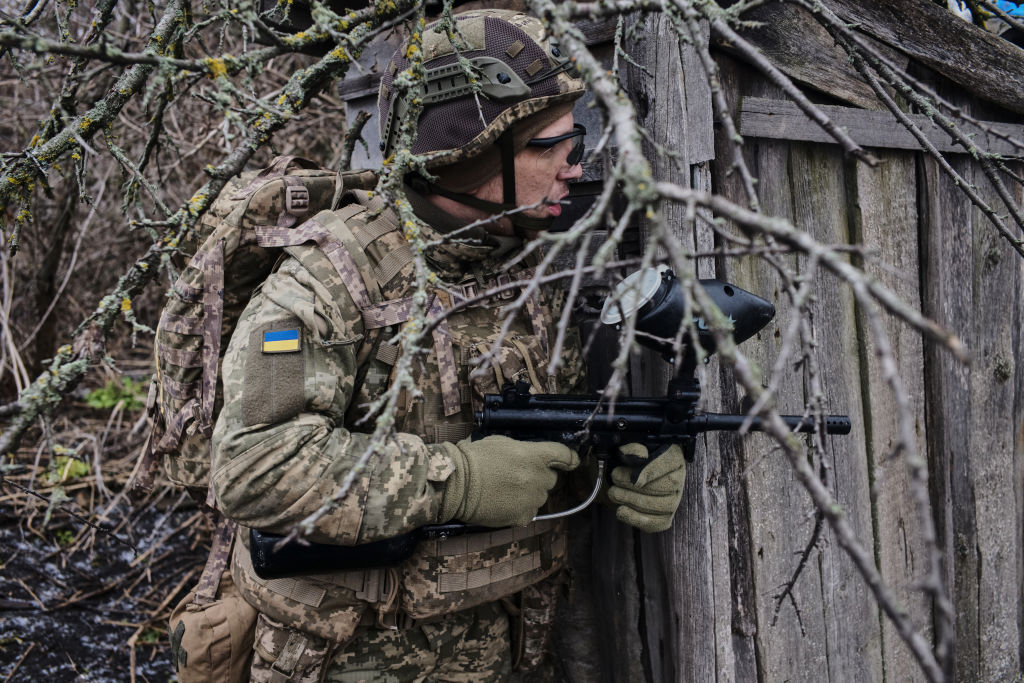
[519, 69]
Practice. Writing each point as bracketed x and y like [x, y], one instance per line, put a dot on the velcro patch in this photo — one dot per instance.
[281, 341]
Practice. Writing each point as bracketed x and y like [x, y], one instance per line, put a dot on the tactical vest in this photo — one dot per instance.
[375, 266]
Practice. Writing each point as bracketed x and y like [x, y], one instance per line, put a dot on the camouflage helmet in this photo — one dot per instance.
[520, 70]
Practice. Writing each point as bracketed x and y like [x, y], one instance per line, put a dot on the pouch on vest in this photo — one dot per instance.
[211, 629]
[287, 654]
[531, 616]
[453, 574]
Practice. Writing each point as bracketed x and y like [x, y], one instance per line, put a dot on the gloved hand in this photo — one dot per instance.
[499, 481]
[648, 495]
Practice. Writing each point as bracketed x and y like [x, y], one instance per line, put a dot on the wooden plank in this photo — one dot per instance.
[797, 44]
[700, 117]
[788, 643]
[886, 200]
[730, 447]
[995, 424]
[849, 613]
[947, 262]
[979, 61]
[1017, 473]
[1016, 323]
[831, 624]
[574, 639]
[685, 590]
[783, 120]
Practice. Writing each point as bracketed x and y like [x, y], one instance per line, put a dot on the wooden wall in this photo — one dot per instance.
[704, 597]
[705, 600]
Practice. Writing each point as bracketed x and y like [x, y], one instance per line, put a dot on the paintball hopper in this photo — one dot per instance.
[656, 296]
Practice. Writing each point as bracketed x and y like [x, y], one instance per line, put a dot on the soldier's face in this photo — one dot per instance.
[542, 177]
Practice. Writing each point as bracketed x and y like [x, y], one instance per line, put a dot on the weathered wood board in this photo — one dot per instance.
[885, 213]
[948, 299]
[998, 290]
[978, 61]
[784, 120]
[685, 585]
[792, 635]
[973, 284]
[798, 45]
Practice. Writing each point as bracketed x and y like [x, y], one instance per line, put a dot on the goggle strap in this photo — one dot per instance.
[519, 220]
[508, 168]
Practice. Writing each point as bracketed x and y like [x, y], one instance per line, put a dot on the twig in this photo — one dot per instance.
[17, 664]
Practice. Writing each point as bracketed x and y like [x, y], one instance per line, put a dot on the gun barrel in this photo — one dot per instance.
[834, 424]
[566, 418]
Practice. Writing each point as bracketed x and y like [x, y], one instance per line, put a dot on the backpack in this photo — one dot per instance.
[235, 247]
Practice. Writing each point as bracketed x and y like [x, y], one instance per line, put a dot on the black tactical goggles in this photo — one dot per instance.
[578, 147]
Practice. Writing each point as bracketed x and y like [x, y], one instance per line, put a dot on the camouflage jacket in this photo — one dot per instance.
[296, 373]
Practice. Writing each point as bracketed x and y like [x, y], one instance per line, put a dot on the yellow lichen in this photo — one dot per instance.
[216, 67]
[196, 202]
[126, 305]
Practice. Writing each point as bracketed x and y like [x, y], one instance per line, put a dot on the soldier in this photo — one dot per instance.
[305, 360]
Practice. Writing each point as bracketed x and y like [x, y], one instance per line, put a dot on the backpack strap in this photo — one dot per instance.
[198, 409]
[217, 561]
[278, 167]
[213, 317]
[362, 288]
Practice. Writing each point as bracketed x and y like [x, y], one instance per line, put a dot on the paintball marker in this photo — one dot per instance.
[583, 422]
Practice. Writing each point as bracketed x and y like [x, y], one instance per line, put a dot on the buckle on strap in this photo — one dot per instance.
[284, 666]
[296, 200]
[466, 291]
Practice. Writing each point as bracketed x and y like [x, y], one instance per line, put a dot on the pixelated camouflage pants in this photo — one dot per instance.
[472, 645]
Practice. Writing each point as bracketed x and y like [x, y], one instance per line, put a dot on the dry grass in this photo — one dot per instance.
[79, 543]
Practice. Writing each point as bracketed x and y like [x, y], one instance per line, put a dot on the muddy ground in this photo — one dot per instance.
[87, 584]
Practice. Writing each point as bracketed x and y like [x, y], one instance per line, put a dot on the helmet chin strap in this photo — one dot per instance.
[520, 222]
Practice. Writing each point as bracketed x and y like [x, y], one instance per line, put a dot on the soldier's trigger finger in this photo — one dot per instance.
[667, 462]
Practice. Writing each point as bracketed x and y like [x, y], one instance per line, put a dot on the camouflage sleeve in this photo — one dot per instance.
[280, 448]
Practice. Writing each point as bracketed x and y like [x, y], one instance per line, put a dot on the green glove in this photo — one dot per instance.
[499, 481]
[647, 496]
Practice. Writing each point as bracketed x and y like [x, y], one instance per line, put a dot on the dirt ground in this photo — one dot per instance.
[86, 585]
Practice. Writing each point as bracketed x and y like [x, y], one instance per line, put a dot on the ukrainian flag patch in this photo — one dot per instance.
[281, 341]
